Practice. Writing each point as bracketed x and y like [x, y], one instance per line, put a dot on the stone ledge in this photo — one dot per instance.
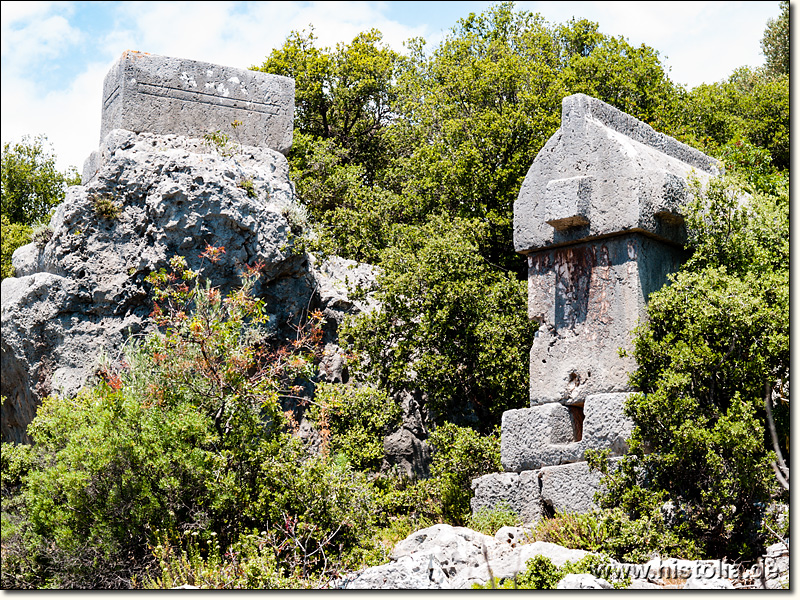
[550, 434]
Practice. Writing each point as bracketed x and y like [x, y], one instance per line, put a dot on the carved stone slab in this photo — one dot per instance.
[588, 298]
[158, 94]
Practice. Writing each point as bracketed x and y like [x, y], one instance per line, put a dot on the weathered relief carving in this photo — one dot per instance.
[161, 94]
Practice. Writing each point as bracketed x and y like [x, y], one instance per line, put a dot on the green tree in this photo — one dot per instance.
[31, 186]
[383, 140]
[460, 455]
[13, 236]
[752, 106]
[776, 42]
[715, 337]
[343, 100]
[474, 112]
[449, 325]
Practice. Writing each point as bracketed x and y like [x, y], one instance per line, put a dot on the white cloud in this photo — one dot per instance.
[702, 42]
[29, 34]
[70, 118]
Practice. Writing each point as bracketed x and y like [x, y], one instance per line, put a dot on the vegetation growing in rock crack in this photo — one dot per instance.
[105, 207]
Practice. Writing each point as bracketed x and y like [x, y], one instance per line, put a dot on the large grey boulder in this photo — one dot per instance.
[336, 283]
[406, 453]
[465, 557]
[412, 572]
[456, 548]
[84, 291]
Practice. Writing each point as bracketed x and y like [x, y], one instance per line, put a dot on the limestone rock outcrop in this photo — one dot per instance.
[447, 557]
[152, 197]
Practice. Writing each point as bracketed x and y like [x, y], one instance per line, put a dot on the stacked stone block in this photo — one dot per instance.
[145, 92]
[598, 217]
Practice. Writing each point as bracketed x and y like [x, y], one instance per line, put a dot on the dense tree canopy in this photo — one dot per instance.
[775, 43]
[716, 337]
[452, 130]
[390, 149]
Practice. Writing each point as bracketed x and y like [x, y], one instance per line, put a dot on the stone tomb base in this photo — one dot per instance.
[555, 434]
[542, 452]
[535, 494]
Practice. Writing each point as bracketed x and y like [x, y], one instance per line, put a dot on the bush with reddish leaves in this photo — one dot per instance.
[184, 443]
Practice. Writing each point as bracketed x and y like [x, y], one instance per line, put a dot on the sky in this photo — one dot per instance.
[56, 54]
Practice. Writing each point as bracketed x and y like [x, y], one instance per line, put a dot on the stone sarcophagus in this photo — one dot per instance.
[165, 95]
[598, 218]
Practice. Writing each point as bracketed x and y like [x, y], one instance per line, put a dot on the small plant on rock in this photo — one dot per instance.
[248, 186]
[41, 235]
[105, 207]
[221, 142]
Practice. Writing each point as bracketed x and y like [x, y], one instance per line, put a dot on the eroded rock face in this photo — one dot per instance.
[447, 557]
[152, 197]
[583, 581]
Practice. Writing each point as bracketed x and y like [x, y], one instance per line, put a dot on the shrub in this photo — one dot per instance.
[220, 142]
[41, 235]
[450, 325]
[715, 337]
[13, 236]
[105, 207]
[490, 520]
[184, 438]
[248, 186]
[354, 421]
[248, 564]
[541, 574]
[613, 532]
[460, 454]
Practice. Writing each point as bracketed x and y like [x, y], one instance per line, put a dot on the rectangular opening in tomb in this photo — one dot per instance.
[576, 415]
